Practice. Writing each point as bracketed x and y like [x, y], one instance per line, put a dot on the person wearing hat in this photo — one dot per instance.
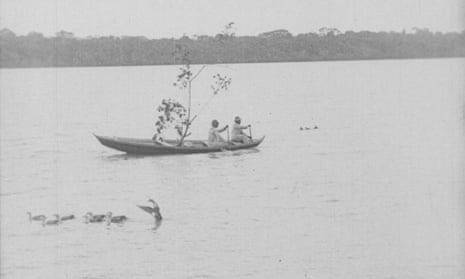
[237, 133]
[214, 137]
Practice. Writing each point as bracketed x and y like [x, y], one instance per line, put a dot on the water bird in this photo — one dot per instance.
[308, 128]
[115, 219]
[50, 222]
[153, 210]
[94, 218]
[67, 217]
[36, 218]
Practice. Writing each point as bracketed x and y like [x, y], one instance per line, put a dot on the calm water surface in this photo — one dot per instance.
[378, 191]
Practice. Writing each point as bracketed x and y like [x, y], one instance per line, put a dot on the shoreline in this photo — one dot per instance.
[235, 63]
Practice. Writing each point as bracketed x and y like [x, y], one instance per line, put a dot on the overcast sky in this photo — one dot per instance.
[173, 18]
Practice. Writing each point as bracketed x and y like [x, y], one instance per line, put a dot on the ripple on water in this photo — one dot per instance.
[6, 194]
[331, 225]
[199, 276]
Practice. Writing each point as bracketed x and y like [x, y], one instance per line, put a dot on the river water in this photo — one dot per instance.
[377, 191]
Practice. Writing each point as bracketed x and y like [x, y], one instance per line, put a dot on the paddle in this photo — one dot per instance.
[250, 131]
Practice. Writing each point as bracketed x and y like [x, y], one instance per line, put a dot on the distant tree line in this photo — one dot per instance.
[64, 49]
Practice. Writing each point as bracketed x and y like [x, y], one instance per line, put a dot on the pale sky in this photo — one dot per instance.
[173, 18]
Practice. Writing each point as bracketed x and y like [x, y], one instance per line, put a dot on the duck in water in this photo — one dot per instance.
[308, 128]
[90, 218]
[36, 218]
[153, 210]
[115, 219]
[67, 217]
[51, 222]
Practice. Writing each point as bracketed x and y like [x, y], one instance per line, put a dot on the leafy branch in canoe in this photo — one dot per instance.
[173, 114]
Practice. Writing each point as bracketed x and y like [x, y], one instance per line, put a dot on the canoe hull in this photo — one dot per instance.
[149, 147]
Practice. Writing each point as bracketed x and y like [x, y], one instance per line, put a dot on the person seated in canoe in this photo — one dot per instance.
[238, 134]
[214, 137]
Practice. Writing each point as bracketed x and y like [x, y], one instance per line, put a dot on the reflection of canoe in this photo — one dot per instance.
[150, 147]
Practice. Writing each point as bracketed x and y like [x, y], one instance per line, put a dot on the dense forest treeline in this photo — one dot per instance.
[64, 49]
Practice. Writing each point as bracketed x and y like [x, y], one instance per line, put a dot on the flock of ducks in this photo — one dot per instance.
[153, 210]
[308, 128]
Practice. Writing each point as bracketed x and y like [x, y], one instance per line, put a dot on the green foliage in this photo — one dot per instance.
[220, 83]
[181, 55]
[36, 50]
[171, 114]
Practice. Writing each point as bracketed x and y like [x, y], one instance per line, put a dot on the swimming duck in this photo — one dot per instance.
[115, 219]
[36, 218]
[67, 217]
[94, 218]
[153, 210]
[55, 221]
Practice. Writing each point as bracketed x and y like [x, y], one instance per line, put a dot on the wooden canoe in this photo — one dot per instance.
[150, 147]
